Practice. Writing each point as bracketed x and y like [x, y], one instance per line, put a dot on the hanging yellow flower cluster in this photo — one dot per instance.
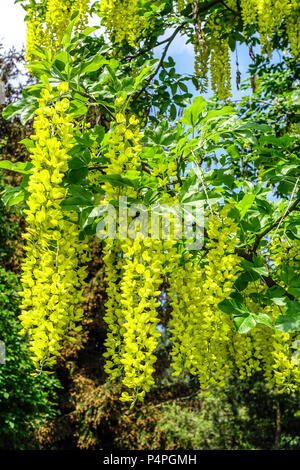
[263, 349]
[124, 21]
[52, 276]
[269, 15]
[292, 22]
[285, 251]
[201, 332]
[220, 66]
[36, 35]
[215, 51]
[47, 23]
[202, 53]
[278, 361]
[122, 155]
[133, 274]
[204, 340]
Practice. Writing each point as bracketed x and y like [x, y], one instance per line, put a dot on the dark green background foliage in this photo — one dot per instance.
[244, 415]
[24, 399]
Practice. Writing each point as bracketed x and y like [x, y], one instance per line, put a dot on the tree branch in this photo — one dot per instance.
[236, 13]
[169, 41]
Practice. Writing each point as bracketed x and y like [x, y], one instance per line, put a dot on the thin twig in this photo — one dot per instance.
[277, 223]
[202, 182]
[287, 209]
[169, 41]
[236, 13]
[98, 167]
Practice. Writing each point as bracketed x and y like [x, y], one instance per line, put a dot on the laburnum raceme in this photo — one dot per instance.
[121, 154]
[275, 353]
[200, 331]
[285, 251]
[292, 22]
[204, 340]
[263, 349]
[134, 270]
[124, 20]
[269, 15]
[218, 46]
[52, 275]
[212, 45]
[201, 64]
[47, 23]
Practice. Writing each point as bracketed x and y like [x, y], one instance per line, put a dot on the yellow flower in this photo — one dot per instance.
[63, 87]
[52, 276]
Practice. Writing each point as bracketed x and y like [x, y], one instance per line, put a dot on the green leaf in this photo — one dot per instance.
[162, 135]
[12, 109]
[76, 163]
[244, 205]
[144, 75]
[262, 318]
[284, 141]
[255, 267]
[78, 108]
[99, 132]
[288, 323]
[232, 307]
[28, 143]
[232, 42]
[24, 107]
[192, 114]
[77, 175]
[80, 198]
[173, 112]
[93, 64]
[88, 216]
[219, 113]
[244, 323]
[276, 295]
[81, 152]
[121, 181]
[12, 196]
[243, 320]
[291, 279]
[242, 281]
[292, 307]
[67, 37]
[20, 167]
[233, 151]
[60, 60]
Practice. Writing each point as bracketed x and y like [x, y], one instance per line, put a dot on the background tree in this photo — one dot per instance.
[25, 399]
